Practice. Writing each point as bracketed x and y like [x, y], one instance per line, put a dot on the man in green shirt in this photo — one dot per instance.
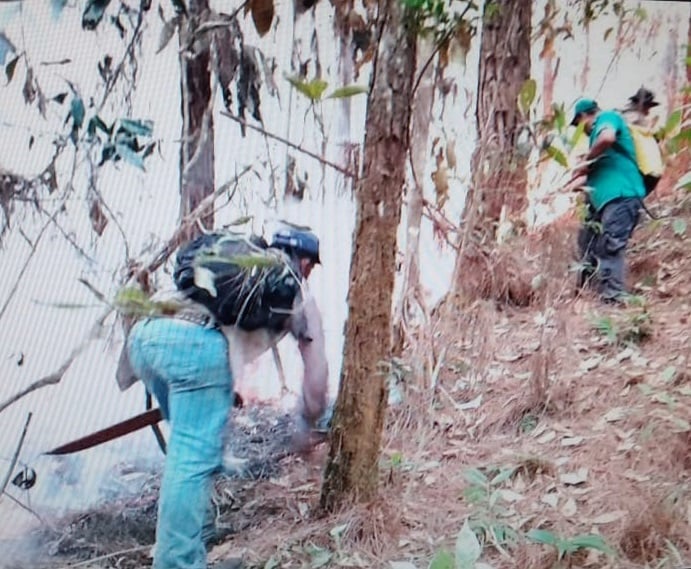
[615, 192]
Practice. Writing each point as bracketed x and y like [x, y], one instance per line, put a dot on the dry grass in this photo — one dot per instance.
[527, 385]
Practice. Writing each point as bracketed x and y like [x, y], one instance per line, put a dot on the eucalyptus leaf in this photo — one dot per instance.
[543, 536]
[679, 226]
[77, 112]
[442, 560]
[468, 548]
[347, 91]
[129, 155]
[557, 155]
[313, 90]
[93, 13]
[10, 68]
[526, 95]
[475, 476]
[137, 127]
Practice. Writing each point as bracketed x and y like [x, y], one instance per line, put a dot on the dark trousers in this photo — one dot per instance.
[602, 243]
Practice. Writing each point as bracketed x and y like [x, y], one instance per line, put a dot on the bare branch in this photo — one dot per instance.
[26, 508]
[15, 456]
[309, 153]
[113, 79]
[26, 264]
[56, 376]
[167, 250]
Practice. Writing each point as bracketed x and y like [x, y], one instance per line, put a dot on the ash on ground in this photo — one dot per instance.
[121, 532]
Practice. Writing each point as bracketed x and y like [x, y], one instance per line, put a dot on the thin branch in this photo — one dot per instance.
[102, 201]
[113, 79]
[97, 293]
[26, 508]
[434, 53]
[26, 264]
[15, 456]
[69, 238]
[189, 220]
[309, 153]
[55, 377]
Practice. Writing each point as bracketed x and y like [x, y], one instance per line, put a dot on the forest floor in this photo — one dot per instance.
[560, 431]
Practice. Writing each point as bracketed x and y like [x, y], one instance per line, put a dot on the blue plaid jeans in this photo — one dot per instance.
[186, 367]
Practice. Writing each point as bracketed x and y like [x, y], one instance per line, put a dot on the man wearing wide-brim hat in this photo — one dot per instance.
[614, 189]
[637, 111]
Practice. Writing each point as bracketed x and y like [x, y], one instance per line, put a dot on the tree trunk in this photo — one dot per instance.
[352, 468]
[499, 175]
[197, 148]
[504, 67]
[421, 119]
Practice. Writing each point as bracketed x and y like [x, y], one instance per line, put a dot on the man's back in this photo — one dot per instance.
[615, 173]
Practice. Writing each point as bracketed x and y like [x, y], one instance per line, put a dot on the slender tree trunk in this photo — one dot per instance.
[197, 148]
[419, 138]
[504, 68]
[499, 176]
[352, 468]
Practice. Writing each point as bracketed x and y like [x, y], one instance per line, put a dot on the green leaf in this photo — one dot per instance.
[313, 90]
[137, 127]
[475, 476]
[129, 155]
[93, 13]
[580, 130]
[589, 541]
[543, 536]
[503, 476]
[475, 494]
[442, 560]
[559, 117]
[95, 123]
[77, 112]
[673, 121]
[240, 220]
[679, 226]
[57, 7]
[347, 91]
[526, 96]
[10, 68]
[468, 548]
[319, 556]
[557, 155]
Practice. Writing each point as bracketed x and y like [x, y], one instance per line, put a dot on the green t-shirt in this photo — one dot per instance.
[615, 173]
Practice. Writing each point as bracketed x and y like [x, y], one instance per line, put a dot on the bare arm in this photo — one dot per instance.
[604, 140]
[315, 381]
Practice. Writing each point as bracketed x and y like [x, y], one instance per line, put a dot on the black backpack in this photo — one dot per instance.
[239, 279]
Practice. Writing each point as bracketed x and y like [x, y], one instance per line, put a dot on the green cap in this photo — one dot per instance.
[583, 106]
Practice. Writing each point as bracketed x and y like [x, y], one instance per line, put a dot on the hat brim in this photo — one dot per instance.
[575, 119]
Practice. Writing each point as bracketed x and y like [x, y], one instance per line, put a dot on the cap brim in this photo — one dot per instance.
[574, 120]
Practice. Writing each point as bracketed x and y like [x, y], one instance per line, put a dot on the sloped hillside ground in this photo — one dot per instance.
[559, 430]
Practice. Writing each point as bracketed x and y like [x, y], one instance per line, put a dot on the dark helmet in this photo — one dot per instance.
[302, 243]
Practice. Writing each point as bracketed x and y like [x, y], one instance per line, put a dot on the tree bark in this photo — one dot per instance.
[197, 148]
[419, 138]
[504, 67]
[352, 469]
[499, 175]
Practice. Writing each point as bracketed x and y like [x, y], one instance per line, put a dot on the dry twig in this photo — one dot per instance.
[15, 456]
[292, 145]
